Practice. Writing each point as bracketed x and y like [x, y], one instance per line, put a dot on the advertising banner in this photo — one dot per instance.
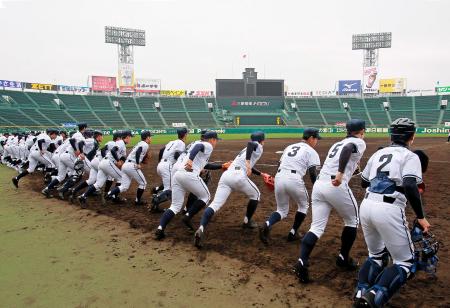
[370, 76]
[147, 85]
[41, 86]
[11, 84]
[104, 83]
[250, 104]
[440, 90]
[73, 89]
[349, 87]
[200, 93]
[126, 77]
[299, 93]
[324, 93]
[392, 85]
[173, 93]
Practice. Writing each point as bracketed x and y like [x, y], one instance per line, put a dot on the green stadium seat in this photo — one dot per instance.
[400, 103]
[58, 116]
[153, 119]
[19, 97]
[35, 115]
[311, 118]
[175, 117]
[306, 104]
[146, 103]
[202, 119]
[330, 104]
[15, 117]
[335, 117]
[133, 119]
[86, 116]
[112, 119]
[171, 104]
[100, 102]
[375, 104]
[43, 100]
[73, 101]
[126, 103]
[195, 104]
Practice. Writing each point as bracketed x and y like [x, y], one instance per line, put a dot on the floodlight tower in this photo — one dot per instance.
[125, 39]
[370, 43]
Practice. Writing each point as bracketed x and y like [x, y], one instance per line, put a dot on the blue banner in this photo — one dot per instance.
[10, 84]
[349, 87]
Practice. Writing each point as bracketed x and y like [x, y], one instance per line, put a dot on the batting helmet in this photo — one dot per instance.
[258, 136]
[402, 129]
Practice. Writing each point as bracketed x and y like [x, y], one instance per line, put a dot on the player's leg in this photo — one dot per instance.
[282, 199]
[345, 204]
[139, 177]
[243, 184]
[164, 170]
[33, 162]
[300, 196]
[393, 228]
[378, 255]
[320, 212]
[64, 161]
[197, 187]
[178, 193]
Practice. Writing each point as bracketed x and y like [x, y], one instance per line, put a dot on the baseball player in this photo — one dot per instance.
[38, 154]
[68, 159]
[330, 191]
[188, 180]
[236, 178]
[391, 177]
[2, 144]
[93, 172]
[167, 158]
[131, 169]
[110, 166]
[89, 148]
[297, 159]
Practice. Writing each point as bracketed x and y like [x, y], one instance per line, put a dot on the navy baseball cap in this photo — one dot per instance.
[211, 135]
[355, 125]
[311, 132]
[258, 136]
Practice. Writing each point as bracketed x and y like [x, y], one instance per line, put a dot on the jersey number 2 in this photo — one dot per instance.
[388, 158]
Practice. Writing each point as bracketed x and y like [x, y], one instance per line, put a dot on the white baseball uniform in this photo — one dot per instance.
[130, 170]
[107, 167]
[325, 196]
[68, 158]
[164, 168]
[190, 181]
[383, 217]
[235, 179]
[36, 156]
[295, 161]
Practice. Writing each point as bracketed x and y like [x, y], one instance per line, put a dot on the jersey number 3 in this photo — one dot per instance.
[293, 152]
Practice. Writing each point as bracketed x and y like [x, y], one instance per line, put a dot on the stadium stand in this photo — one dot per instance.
[34, 109]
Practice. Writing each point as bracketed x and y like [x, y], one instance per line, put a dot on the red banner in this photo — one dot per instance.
[103, 83]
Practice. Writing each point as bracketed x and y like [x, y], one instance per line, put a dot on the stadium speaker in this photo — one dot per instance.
[157, 106]
[294, 106]
[386, 106]
[346, 106]
[116, 105]
[444, 103]
[210, 107]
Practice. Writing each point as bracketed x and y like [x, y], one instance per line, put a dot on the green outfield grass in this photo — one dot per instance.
[163, 139]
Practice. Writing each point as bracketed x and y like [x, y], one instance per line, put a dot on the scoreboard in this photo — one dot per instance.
[249, 86]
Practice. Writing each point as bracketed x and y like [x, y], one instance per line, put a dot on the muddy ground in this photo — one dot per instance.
[225, 236]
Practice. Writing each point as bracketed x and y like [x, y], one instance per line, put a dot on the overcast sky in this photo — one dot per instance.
[192, 42]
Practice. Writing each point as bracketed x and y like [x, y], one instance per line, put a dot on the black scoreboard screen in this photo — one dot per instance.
[230, 88]
[270, 88]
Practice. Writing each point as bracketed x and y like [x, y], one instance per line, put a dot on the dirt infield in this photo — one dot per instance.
[225, 237]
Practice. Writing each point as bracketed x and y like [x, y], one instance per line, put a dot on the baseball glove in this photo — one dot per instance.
[423, 159]
[421, 187]
[79, 167]
[145, 159]
[226, 165]
[269, 181]
[119, 164]
[206, 176]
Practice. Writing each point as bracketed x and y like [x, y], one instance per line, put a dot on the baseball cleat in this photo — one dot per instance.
[155, 208]
[293, 237]
[46, 193]
[198, 238]
[368, 300]
[301, 272]
[348, 265]
[251, 224]
[103, 197]
[264, 233]
[140, 203]
[61, 195]
[71, 198]
[187, 221]
[15, 182]
[159, 234]
[82, 200]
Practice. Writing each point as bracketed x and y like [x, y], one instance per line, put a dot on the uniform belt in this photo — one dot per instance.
[379, 197]
[237, 168]
[189, 170]
[292, 171]
[130, 161]
[165, 160]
